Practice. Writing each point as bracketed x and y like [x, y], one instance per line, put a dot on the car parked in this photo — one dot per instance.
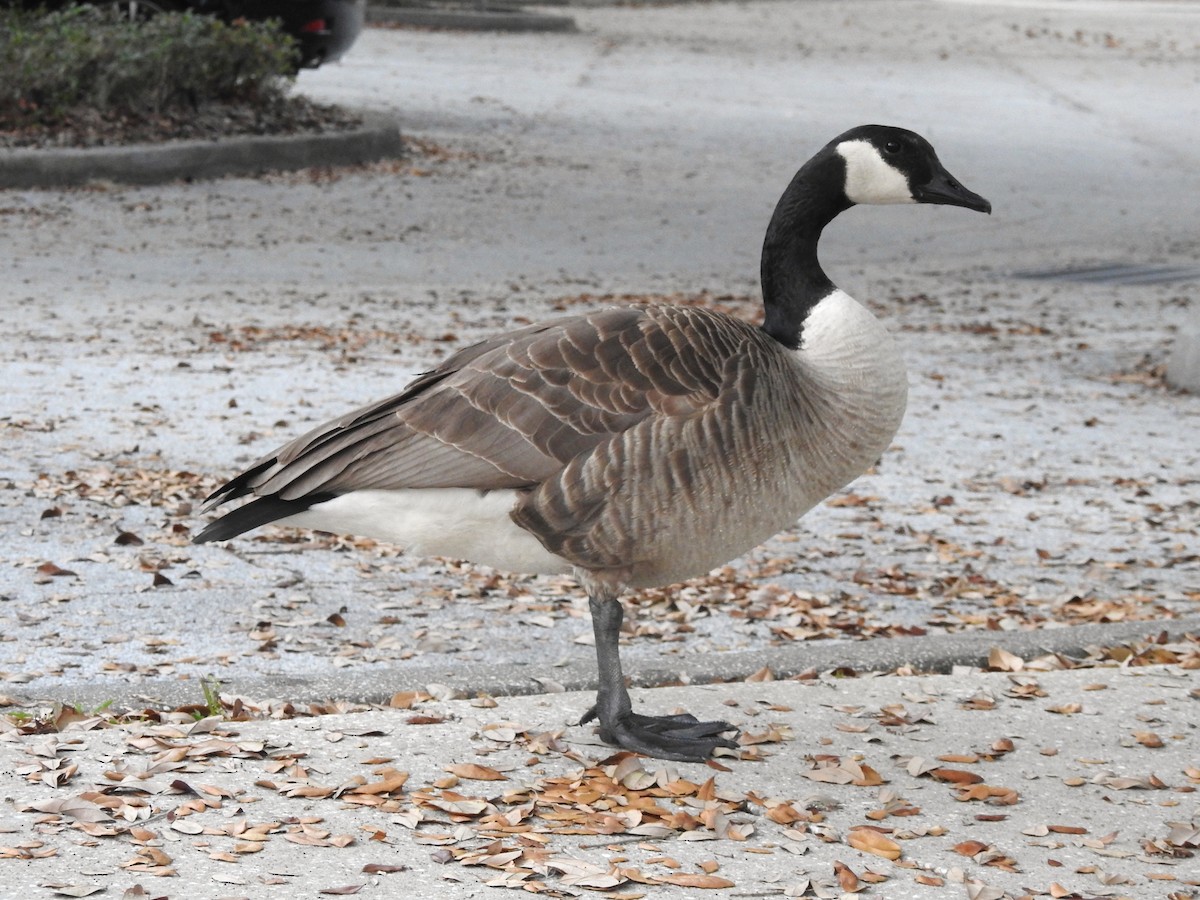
[323, 29]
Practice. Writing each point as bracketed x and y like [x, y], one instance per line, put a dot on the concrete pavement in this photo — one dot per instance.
[1036, 783]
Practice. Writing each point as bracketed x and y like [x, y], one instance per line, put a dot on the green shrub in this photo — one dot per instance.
[86, 58]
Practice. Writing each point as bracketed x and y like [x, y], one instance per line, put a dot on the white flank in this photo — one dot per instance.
[869, 179]
[460, 523]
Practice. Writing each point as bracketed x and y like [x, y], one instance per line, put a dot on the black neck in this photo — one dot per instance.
[792, 278]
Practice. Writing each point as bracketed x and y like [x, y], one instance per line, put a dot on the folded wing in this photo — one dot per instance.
[509, 412]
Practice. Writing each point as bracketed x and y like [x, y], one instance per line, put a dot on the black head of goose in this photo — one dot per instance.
[635, 447]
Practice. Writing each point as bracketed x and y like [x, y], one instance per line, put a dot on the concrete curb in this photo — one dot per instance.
[496, 19]
[933, 653]
[145, 164]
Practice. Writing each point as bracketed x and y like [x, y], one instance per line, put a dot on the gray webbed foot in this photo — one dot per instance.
[680, 737]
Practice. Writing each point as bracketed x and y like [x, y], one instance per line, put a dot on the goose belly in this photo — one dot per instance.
[460, 523]
[702, 540]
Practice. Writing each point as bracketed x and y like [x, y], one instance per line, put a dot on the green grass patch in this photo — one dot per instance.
[54, 66]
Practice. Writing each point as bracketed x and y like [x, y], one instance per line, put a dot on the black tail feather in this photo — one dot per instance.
[257, 512]
[237, 487]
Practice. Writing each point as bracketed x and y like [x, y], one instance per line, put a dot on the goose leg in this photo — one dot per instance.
[681, 737]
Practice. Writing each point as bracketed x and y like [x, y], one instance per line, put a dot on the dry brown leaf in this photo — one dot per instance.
[148, 857]
[408, 699]
[1066, 709]
[50, 570]
[1003, 661]
[584, 873]
[305, 840]
[1148, 739]
[831, 774]
[870, 841]
[97, 829]
[391, 781]
[1125, 783]
[695, 880]
[979, 702]
[998, 796]
[968, 759]
[476, 772]
[919, 765]
[956, 776]
[306, 790]
[75, 807]
[73, 890]
[868, 777]
[851, 500]
[452, 802]
[494, 856]
[977, 890]
[774, 734]
[786, 814]
[970, 848]
[845, 876]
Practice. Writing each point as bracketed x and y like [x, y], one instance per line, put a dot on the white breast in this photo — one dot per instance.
[845, 341]
[856, 390]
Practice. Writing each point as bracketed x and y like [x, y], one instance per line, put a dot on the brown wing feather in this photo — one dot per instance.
[511, 411]
[654, 491]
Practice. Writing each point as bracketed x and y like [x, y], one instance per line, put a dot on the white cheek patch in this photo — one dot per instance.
[869, 179]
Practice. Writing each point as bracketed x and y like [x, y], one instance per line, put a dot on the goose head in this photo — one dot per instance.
[868, 164]
[893, 165]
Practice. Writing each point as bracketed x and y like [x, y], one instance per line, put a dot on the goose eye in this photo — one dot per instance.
[892, 147]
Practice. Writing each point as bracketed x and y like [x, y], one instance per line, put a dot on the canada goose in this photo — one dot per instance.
[636, 447]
